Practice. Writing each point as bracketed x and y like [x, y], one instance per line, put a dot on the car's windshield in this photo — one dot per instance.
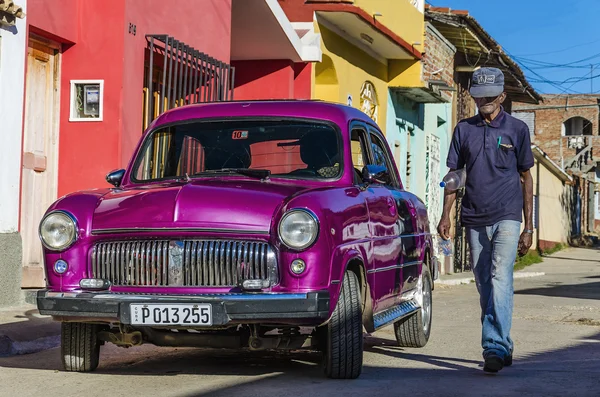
[283, 148]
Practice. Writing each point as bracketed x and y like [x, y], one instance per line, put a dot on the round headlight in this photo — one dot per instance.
[58, 231]
[298, 229]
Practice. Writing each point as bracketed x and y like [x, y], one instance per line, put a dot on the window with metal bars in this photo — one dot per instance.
[177, 74]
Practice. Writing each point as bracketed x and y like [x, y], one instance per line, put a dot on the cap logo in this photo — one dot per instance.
[486, 79]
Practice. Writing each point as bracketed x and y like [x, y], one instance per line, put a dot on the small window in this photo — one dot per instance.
[577, 126]
[359, 152]
[87, 97]
[381, 157]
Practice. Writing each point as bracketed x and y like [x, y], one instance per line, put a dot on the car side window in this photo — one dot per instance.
[381, 157]
[359, 150]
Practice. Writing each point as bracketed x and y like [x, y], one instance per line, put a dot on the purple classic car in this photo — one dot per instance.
[243, 225]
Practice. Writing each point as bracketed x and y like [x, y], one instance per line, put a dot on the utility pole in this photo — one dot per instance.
[591, 78]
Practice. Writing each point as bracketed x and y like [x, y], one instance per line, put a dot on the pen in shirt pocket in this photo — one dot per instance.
[499, 141]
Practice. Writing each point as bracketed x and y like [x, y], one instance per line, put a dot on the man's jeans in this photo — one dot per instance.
[493, 253]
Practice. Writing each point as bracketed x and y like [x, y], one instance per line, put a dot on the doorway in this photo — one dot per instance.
[40, 151]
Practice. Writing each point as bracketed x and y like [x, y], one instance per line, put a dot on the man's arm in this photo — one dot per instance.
[444, 225]
[526, 238]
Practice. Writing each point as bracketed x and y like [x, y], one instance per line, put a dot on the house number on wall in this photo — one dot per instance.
[132, 29]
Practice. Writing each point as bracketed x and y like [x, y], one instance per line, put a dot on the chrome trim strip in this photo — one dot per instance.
[219, 297]
[400, 236]
[183, 229]
[395, 313]
[194, 263]
[385, 269]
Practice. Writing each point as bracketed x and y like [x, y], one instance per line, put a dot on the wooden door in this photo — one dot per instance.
[40, 153]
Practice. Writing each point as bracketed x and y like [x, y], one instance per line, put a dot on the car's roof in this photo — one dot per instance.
[314, 109]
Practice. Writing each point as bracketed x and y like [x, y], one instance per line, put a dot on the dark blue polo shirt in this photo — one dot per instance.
[493, 155]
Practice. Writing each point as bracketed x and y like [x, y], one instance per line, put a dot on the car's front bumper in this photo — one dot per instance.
[233, 308]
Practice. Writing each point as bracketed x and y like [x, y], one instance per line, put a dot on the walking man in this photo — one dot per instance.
[495, 150]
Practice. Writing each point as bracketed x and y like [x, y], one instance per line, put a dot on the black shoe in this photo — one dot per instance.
[493, 363]
[508, 360]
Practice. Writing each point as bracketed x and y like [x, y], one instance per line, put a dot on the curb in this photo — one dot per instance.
[469, 280]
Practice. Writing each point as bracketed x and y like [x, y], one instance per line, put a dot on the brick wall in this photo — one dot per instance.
[438, 61]
[552, 113]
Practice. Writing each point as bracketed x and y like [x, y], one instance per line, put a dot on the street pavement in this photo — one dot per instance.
[556, 330]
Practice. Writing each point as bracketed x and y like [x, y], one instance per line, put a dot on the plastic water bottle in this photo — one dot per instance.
[454, 180]
[445, 247]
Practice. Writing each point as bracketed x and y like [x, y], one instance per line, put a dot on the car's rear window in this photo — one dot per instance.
[288, 149]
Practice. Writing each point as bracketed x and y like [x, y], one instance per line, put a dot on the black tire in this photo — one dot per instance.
[414, 330]
[80, 347]
[343, 347]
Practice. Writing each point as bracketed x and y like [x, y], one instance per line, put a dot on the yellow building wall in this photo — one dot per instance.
[553, 222]
[400, 16]
[343, 71]
[408, 22]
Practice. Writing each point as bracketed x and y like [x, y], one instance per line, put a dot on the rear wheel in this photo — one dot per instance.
[414, 331]
[343, 336]
[80, 347]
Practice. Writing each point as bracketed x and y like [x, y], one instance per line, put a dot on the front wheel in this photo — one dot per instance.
[80, 347]
[343, 347]
[414, 331]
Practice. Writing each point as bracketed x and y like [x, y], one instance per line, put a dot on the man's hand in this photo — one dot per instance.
[444, 227]
[525, 243]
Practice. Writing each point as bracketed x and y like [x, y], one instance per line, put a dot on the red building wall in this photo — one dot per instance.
[303, 80]
[272, 79]
[97, 45]
[87, 150]
[207, 28]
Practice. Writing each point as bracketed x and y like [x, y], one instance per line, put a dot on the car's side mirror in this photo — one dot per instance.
[115, 177]
[375, 174]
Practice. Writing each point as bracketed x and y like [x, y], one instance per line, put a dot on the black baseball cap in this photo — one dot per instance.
[487, 82]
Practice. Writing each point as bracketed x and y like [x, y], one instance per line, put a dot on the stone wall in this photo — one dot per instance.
[10, 269]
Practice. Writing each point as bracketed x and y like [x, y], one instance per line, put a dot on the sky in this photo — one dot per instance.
[554, 41]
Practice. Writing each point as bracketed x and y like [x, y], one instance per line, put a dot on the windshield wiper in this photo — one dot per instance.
[251, 172]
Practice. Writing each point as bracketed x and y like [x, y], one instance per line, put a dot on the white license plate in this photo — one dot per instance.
[174, 314]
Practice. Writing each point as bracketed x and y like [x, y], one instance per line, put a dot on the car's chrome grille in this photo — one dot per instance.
[198, 263]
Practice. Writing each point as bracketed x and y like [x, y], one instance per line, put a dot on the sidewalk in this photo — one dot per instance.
[467, 277]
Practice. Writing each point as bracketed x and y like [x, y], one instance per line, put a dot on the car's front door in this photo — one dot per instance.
[406, 242]
[383, 227]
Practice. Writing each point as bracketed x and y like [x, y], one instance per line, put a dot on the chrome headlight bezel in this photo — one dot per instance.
[67, 216]
[311, 216]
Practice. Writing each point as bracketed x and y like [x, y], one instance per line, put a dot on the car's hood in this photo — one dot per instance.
[244, 205]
